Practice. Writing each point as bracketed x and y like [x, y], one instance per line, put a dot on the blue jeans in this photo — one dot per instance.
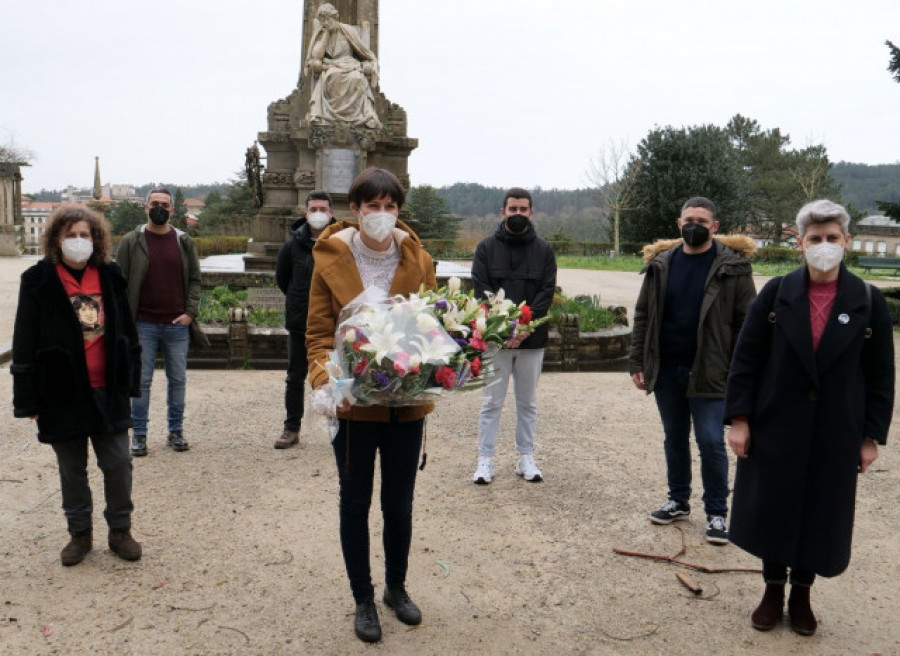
[676, 411]
[173, 340]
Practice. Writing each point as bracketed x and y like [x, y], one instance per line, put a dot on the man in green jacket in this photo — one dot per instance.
[163, 271]
[687, 318]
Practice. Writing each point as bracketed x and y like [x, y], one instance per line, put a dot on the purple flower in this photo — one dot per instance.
[382, 380]
[441, 304]
[461, 341]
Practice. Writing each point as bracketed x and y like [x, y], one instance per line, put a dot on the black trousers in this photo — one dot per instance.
[294, 383]
[355, 447]
[113, 452]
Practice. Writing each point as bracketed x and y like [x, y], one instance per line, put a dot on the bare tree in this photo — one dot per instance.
[613, 173]
[10, 153]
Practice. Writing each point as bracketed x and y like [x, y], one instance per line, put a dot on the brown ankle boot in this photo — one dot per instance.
[78, 547]
[768, 614]
[802, 619]
[123, 545]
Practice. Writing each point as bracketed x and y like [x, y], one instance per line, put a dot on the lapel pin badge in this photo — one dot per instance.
[843, 318]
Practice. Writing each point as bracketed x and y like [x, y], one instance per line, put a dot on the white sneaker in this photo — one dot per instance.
[526, 467]
[485, 471]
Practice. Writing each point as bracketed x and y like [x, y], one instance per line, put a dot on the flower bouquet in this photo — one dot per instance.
[406, 351]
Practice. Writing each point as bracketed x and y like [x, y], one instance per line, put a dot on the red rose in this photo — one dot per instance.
[475, 366]
[445, 377]
[524, 315]
[361, 366]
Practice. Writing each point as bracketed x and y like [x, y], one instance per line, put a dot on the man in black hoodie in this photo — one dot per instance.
[293, 272]
[522, 264]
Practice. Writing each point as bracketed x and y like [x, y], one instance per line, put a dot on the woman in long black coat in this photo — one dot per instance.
[76, 363]
[809, 396]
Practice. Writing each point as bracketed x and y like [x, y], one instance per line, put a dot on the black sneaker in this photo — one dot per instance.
[670, 512]
[177, 442]
[139, 445]
[365, 623]
[716, 533]
[406, 611]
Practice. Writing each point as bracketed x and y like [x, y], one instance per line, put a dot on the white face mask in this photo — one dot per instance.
[824, 257]
[317, 220]
[77, 249]
[378, 225]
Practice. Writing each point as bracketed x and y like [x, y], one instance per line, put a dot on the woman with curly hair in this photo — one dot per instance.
[76, 363]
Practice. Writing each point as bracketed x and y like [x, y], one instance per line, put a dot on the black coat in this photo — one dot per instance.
[795, 493]
[50, 376]
[524, 267]
[293, 273]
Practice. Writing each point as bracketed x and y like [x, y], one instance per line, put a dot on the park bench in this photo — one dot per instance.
[870, 262]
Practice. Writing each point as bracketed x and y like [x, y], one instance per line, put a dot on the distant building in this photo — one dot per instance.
[877, 235]
[34, 215]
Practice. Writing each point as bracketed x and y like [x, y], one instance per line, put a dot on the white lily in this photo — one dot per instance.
[453, 284]
[437, 350]
[453, 319]
[499, 303]
[383, 339]
[425, 323]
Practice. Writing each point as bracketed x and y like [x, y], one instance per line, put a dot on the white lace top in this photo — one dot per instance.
[376, 268]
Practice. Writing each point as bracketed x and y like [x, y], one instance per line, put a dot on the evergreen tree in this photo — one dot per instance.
[125, 216]
[429, 211]
[676, 164]
[179, 211]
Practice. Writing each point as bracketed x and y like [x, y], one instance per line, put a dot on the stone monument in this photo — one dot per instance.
[335, 123]
[12, 236]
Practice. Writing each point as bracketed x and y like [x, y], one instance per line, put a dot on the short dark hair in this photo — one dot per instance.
[70, 214]
[159, 190]
[374, 183]
[83, 299]
[319, 194]
[517, 192]
[700, 201]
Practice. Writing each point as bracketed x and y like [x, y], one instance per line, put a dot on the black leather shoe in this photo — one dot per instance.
[406, 611]
[366, 624]
[177, 442]
[139, 445]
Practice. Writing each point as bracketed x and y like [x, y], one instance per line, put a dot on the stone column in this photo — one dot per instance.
[11, 222]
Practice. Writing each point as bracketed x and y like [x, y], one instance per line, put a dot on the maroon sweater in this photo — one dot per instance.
[162, 294]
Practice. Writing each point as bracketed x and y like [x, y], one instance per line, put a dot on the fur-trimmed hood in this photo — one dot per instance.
[740, 244]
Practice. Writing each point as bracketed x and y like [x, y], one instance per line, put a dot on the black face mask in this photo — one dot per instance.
[517, 224]
[159, 215]
[694, 234]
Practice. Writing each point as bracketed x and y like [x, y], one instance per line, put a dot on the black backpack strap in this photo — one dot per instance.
[777, 294]
[868, 333]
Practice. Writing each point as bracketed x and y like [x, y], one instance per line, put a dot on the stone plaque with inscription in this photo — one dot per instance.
[338, 169]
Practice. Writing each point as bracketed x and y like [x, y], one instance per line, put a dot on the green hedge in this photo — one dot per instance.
[220, 245]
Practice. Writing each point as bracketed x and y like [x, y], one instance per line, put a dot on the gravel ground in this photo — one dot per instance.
[241, 551]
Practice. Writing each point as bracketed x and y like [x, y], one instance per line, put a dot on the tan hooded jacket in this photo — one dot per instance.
[336, 282]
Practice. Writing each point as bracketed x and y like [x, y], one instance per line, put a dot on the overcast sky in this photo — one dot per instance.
[501, 92]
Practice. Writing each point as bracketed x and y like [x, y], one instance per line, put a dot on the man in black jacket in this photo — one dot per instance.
[522, 264]
[293, 272]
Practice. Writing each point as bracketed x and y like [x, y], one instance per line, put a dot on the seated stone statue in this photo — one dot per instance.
[344, 71]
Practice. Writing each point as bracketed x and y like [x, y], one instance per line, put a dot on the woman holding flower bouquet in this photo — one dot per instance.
[377, 252]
